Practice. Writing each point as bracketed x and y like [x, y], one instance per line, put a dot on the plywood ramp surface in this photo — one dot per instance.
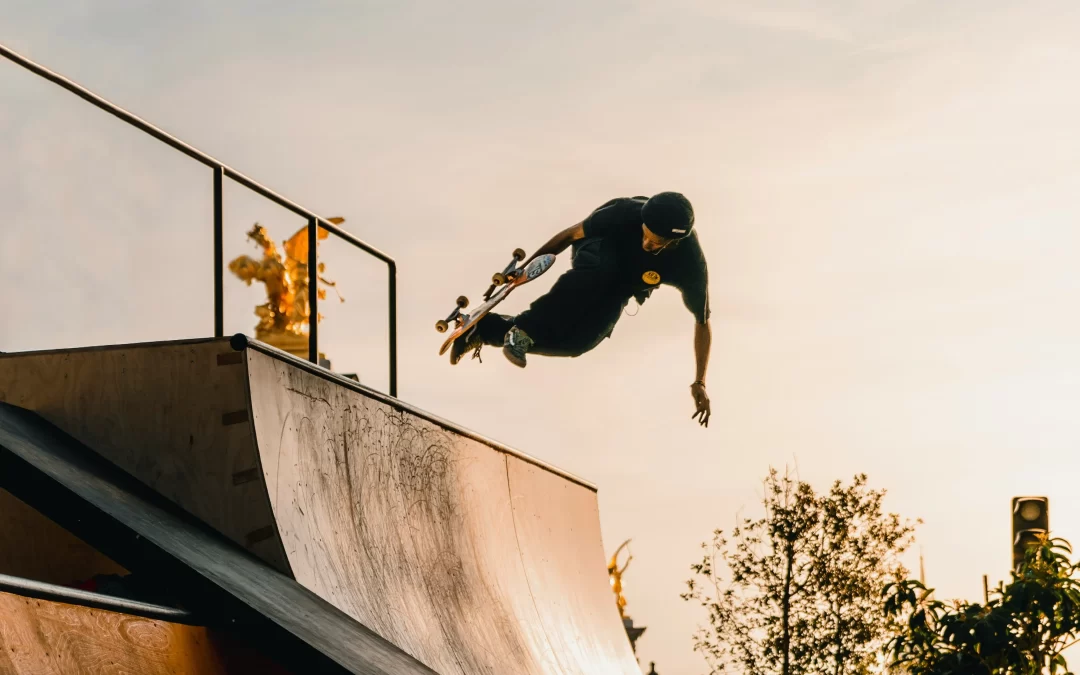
[467, 556]
[40, 637]
[174, 415]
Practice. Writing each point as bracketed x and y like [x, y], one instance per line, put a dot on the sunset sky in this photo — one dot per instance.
[887, 194]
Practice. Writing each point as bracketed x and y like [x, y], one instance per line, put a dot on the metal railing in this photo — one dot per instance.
[41, 590]
[221, 171]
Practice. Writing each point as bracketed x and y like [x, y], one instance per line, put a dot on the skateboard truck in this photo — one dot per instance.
[442, 325]
[508, 273]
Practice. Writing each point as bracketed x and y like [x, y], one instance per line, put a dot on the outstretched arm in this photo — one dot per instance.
[560, 241]
[702, 345]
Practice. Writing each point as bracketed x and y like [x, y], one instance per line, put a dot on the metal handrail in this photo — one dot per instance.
[222, 170]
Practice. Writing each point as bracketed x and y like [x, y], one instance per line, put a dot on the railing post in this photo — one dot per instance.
[219, 256]
[392, 266]
[313, 290]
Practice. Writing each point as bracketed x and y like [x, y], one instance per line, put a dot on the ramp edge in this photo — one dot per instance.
[240, 342]
[40, 590]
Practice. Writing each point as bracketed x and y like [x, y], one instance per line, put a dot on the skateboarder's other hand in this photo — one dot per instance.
[703, 409]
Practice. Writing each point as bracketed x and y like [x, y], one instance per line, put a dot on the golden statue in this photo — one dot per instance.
[615, 576]
[284, 320]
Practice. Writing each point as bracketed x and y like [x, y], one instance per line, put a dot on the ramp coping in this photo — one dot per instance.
[40, 590]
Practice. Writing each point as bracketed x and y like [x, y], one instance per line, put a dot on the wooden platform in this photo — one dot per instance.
[465, 554]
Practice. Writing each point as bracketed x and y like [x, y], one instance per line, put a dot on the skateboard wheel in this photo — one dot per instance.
[441, 325]
[498, 278]
[519, 254]
[462, 302]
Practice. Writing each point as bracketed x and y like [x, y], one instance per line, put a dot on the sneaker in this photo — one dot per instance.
[515, 345]
[469, 342]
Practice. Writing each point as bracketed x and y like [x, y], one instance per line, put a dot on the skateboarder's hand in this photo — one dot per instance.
[701, 404]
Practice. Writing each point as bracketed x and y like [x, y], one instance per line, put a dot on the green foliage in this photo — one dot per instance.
[1022, 630]
[801, 592]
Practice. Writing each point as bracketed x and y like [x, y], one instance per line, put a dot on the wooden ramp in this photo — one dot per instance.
[218, 582]
[466, 555]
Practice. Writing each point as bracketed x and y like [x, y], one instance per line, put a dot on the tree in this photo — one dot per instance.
[1023, 628]
[858, 557]
[802, 593]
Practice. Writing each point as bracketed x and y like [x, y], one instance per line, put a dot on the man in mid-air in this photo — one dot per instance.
[622, 250]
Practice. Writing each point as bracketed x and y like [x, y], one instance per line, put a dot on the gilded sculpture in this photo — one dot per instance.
[286, 314]
[615, 576]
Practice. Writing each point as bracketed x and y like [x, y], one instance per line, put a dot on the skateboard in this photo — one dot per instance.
[502, 284]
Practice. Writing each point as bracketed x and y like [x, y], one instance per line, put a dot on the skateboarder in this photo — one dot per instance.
[622, 250]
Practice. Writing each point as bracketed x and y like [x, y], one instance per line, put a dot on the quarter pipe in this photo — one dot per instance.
[463, 553]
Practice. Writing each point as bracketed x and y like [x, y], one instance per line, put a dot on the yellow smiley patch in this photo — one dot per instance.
[652, 278]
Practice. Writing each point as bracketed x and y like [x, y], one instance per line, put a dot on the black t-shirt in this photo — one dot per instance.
[681, 265]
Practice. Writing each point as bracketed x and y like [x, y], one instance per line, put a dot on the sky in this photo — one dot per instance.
[886, 193]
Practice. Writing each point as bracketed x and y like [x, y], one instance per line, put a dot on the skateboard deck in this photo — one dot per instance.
[503, 284]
